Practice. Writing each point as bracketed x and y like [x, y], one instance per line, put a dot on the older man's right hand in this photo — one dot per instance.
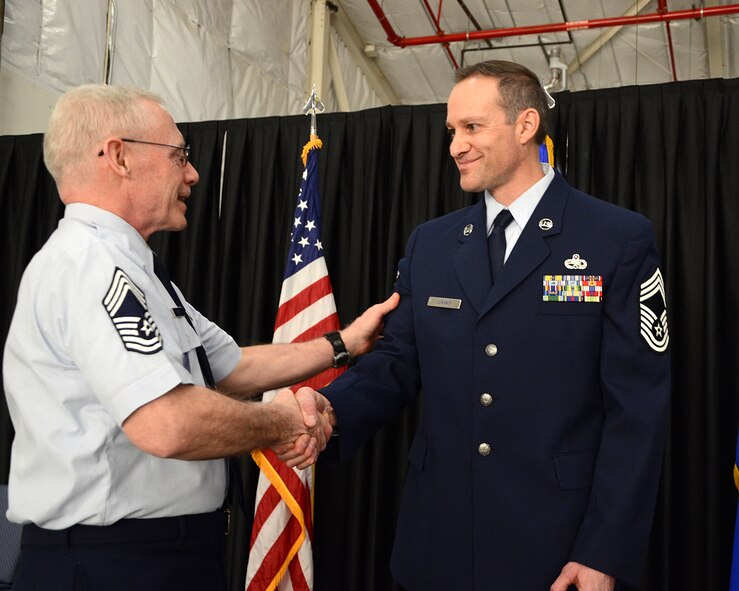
[311, 427]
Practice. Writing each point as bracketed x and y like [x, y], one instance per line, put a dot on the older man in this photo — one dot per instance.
[123, 397]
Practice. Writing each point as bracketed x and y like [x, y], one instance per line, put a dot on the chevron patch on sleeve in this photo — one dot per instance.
[653, 313]
[126, 306]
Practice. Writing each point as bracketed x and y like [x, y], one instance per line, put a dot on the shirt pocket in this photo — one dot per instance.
[187, 341]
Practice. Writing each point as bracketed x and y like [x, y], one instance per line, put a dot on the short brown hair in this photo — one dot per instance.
[519, 89]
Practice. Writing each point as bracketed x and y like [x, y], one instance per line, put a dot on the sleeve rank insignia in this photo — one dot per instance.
[653, 313]
[126, 306]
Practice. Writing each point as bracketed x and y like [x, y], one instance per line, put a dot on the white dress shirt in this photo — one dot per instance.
[521, 209]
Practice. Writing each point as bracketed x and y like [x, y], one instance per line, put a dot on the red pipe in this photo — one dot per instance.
[392, 36]
[433, 18]
[667, 16]
[436, 20]
[662, 9]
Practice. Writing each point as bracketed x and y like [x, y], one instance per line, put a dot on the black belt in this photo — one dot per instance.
[157, 529]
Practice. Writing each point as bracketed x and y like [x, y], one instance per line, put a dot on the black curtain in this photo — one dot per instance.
[667, 151]
[29, 211]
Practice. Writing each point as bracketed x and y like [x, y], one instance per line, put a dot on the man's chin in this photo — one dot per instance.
[177, 225]
[470, 185]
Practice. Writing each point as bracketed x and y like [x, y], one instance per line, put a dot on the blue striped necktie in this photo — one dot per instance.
[235, 484]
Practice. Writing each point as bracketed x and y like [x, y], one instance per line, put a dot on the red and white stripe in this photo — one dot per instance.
[281, 552]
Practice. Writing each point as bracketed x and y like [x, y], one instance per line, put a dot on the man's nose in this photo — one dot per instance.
[191, 174]
[458, 146]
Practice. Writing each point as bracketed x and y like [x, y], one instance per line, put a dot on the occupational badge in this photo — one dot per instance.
[653, 313]
[576, 263]
[126, 306]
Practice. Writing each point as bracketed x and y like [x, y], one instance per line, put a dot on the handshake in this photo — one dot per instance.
[297, 426]
[309, 421]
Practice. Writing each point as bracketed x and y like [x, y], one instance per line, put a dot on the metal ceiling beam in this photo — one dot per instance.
[436, 20]
[2, 22]
[356, 47]
[111, 25]
[667, 16]
[585, 55]
[318, 48]
[342, 99]
[714, 46]
[663, 9]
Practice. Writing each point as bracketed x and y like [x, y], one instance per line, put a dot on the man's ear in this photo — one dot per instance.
[528, 122]
[115, 157]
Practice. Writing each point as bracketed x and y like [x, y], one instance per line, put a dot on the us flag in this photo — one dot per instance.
[280, 555]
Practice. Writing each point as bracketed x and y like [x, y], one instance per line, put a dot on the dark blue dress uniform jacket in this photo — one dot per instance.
[577, 422]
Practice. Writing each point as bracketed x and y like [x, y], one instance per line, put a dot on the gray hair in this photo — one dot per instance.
[86, 115]
[519, 89]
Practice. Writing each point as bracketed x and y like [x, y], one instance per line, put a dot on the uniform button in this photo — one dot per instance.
[483, 449]
[491, 350]
[486, 399]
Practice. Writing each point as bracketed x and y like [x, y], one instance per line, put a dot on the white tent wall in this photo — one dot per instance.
[223, 59]
[217, 60]
[24, 107]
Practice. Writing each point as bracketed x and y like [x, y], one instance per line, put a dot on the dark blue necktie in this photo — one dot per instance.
[235, 484]
[497, 244]
[163, 275]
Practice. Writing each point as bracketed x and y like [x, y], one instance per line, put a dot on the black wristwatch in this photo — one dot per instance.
[341, 355]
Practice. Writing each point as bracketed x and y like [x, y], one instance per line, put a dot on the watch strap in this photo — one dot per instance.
[341, 355]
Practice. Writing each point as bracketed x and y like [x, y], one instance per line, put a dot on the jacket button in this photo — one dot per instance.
[486, 399]
[491, 350]
[483, 449]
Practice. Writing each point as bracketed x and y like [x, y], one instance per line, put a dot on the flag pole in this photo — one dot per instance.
[280, 552]
[312, 106]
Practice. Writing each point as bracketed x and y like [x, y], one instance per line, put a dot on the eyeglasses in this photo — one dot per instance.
[182, 159]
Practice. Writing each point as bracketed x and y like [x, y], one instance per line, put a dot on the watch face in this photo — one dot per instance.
[341, 359]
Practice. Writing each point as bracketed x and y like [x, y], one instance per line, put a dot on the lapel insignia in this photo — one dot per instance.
[573, 288]
[546, 224]
[576, 263]
[653, 313]
[126, 306]
[468, 229]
